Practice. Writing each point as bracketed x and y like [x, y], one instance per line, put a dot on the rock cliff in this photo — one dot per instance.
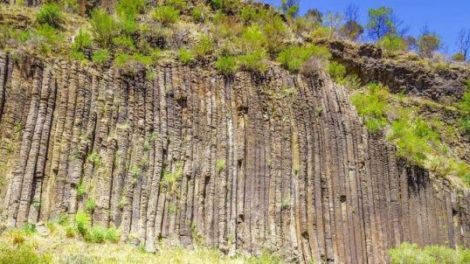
[184, 155]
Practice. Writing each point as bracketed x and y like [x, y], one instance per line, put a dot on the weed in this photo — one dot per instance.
[220, 165]
[104, 27]
[371, 106]
[51, 15]
[90, 205]
[95, 159]
[293, 58]
[101, 56]
[226, 65]
[255, 62]
[166, 14]
[185, 56]
[82, 222]
[337, 71]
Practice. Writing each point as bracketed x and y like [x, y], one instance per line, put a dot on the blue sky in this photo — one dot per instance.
[446, 18]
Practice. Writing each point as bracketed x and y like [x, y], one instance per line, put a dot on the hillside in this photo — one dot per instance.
[223, 125]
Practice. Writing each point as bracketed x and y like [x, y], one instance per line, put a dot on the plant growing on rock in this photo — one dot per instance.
[50, 14]
[166, 14]
[227, 65]
[292, 58]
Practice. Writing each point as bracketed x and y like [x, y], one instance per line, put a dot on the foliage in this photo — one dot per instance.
[185, 56]
[255, 61]
[321, 33]
[50, 14]
[428, 43]
[412, 254]
[275, 32]
[104, 27]
[203, 47]
[336, 70]
[90, 205]
[352, 30]
[82, 222]
[82, 42]
[100, 57]
[414, 137]
[253, 39]
[226, 65]
[464, 106]
[292, 58]
[166, 14]
[381, 22]
[392, 43]
[220, 165]
[48, 37]
[290, 8]
[372, 106]
[23, 254]
[458, 57]
[198, 13]
[124, 43]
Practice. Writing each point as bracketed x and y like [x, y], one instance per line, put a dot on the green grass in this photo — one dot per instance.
[408, 253]
[104, 27]
[227, 65]
[255, 62]
[82, 41]
[50, 14]
[204, 47]
[101, 56]
[23, 254]
[185, 56]
[294, 57]
[372, 106]
[166, 14]
[337, 71]
[393, 43]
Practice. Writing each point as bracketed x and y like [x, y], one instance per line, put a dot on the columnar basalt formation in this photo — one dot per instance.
[181, 154]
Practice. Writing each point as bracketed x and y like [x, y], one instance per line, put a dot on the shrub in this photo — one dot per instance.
[459, 56]
[226, 65]
[255, 61]
[337, 71]
[220, 165]
[198, 14]
[104, 27]
[428, 43]
[96, 235]
[294, 57]
[412, 254]
[49, 38]
[393, 43]
[81, 43]
[100, 57]
[252, 39]
[203, 47]
[321, 33]
[130, 8]
[82, 222]
[22, 255]
[371, 106]
[185, 56]
[50, 14]
[90, 205]
[124, 42]
[166, 14]
[275, 31]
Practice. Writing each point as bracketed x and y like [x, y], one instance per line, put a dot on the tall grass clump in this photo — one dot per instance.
[104, 27]
[408, 253]
[372, 106]
[166, 14]
[50, 14]
[292, 58]
[227, 65]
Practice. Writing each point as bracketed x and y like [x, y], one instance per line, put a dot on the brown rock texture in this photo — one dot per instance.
[183, 155]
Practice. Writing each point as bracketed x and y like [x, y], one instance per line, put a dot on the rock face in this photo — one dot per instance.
[407, 76]
[186, 156]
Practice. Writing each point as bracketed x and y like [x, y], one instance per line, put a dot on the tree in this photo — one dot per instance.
[314, 15]
[463, 43]
[428, 43]
[382, 22]
[290, 7]
[352, 29]
[333, 21]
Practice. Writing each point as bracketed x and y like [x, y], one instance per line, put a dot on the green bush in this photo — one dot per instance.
[82, 222]
[124, 42]
[185, 56]
[226, 65]
[49, 38]
[104, 27]
[166, 14]
[130, 8]
[22, 254]
[198, 14]
[408, 253]
[254, 62]
[337, 71]
[292, 58]
[101, 56]
[81, 43]
[203, 47]
[90, 205]
[50, 14]
[252, 39]
[393, 43]
[371, 106]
